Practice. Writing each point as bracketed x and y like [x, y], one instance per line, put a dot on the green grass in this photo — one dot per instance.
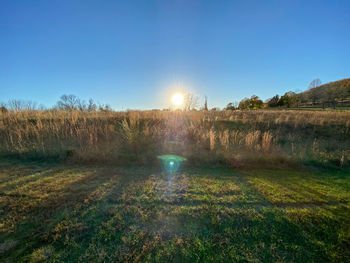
[61, 213]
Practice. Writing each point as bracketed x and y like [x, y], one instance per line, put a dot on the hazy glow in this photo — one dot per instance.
[171, 163]
[177, 99]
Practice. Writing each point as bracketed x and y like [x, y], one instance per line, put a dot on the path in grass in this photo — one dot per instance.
[58, 213]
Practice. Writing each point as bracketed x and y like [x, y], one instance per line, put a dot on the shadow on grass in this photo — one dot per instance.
[128, 214]
[30, 217]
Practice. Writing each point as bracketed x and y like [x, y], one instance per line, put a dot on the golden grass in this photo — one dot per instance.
[320, 136]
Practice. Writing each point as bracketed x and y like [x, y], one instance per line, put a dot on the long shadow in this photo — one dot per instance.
[102, 211]
[272, 229]
[245, 183]
[29, 177]
[121, 227]
[293, 186]
[42, 219]
[227, 174]
[255, 205]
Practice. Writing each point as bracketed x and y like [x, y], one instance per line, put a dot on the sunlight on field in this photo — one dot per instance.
[204, 215]
[174, 131]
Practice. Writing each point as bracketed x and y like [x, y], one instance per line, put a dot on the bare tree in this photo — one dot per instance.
[92, 105]
[69, 103]
[315, 83]
[30, 105]
[41, 107]
[190, 101]
[104, 107]
[313, 92]
[19, 105]
[15, 105]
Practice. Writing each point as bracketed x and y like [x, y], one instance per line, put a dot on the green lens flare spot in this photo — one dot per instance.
[171, 163]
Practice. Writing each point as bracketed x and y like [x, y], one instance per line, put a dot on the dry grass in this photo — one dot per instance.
[299, 136]
[266, 142]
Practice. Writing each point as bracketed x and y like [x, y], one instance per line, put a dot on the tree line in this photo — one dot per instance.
[329, 94]
[65, 103]
[74, 103]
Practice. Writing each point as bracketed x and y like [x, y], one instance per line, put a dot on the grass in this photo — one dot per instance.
[258, 186]
[53, 212]
[319, 138]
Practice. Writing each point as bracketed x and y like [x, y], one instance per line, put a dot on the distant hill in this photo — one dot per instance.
[332, 92]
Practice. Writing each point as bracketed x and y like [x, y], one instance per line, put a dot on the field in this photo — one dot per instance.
[257, 186]
[233, 138]
[61, 213]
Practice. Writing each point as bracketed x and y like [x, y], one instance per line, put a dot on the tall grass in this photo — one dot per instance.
[232, 137]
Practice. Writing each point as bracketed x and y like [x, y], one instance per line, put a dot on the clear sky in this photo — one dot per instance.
[134, 54]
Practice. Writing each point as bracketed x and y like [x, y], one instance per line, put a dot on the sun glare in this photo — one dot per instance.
[177, 99]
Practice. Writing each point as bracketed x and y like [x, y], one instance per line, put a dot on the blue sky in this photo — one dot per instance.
[135, 54]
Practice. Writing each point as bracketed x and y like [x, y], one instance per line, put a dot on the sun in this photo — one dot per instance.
[177, 99]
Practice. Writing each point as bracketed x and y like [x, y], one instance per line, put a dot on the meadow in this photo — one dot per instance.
[233, 138]
[257, 186]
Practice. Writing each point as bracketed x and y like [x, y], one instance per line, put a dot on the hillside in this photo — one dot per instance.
[333, 94]
[336, 91]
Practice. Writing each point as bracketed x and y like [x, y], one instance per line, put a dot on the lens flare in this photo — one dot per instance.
[171, 163]
[177, 99]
